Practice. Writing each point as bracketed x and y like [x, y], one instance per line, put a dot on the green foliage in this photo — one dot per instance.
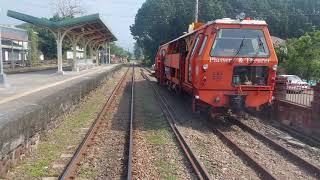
[282, 52]
[120, 52]
[148, 61]
[48, 44]
[34, 42]
[159, 21]
[138, 53]
[303, 56]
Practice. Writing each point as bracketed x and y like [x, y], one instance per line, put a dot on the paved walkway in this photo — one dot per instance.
[25, 84]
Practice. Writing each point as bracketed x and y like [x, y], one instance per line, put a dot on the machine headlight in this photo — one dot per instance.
[275, 67]
[205, 67]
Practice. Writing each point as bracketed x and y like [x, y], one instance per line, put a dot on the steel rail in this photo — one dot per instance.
[149, 70]
[310, 140]
[260, 169]
[129, 174]
[306, 165]
[69, 170]
[198, 168]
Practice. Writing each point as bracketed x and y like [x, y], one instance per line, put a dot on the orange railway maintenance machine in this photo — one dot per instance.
[225, 65]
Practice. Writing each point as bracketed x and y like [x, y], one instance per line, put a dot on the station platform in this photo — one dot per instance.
[33, 101]
[24, 84]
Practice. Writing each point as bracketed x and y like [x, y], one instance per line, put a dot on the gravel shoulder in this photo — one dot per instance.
[156, 154]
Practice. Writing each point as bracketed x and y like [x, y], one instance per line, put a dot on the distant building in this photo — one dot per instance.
[79, 53]
[14, 45]
[277, 41]
[116, 59]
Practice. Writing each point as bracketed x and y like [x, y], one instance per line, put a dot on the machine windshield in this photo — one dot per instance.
[240, 43]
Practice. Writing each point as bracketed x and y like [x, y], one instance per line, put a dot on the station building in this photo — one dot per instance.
[15, 45]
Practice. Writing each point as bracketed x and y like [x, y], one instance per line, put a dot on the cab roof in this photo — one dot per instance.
[222, 21]
[236, 21]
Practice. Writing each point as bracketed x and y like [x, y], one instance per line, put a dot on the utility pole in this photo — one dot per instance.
[197, 12]
[2, 75]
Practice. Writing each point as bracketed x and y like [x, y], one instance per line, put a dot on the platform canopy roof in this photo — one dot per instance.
[88, 27]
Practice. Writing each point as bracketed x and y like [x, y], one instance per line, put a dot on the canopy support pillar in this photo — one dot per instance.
[59, 40]
[74, 56]
[85, 56]
[3, 82]
[109, 53]
[96, 54]
[59, 35]
[74, 41]
[91, 52]
[107, 48]
[96, 47]
[97, 57]
[85, 46]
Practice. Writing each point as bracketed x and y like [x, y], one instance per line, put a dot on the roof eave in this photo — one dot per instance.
[68, 23]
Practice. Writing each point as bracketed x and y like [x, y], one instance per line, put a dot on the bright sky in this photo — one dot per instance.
[118, 14]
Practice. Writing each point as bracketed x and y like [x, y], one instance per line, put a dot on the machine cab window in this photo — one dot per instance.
[240, 43]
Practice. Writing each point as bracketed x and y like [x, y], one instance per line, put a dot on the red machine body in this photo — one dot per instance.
[224, 64]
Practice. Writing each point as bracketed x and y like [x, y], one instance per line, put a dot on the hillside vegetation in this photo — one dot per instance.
[159, 21]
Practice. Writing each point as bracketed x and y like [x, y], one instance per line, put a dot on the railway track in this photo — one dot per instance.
[312, 141]
[129, 174]
[263, 171]
[70, 170]
[308, 139]
[304, 165]
[198, 168]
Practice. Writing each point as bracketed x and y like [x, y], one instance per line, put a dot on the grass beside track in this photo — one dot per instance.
[53, 144]
[158, 135]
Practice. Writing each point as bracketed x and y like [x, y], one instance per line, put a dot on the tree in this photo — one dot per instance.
[303, 57]
[47, 44]
[118, 51]
[34, 42]
[137, 51]
[159, 21]
[68, 8]
[282, 52]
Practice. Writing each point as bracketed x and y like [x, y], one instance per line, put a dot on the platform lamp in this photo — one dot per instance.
[2, 74]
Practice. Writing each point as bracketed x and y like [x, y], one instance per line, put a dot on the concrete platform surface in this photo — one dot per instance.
[35, 100]
[27, 83]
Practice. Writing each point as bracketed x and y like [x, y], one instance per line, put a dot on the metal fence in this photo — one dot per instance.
[300, 94]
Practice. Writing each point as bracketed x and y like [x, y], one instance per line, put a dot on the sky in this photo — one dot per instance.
[117, 14]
